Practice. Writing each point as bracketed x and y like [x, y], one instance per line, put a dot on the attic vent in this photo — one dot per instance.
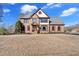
[39, 12]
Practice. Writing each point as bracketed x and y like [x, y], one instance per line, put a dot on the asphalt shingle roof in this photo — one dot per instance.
[25, 15]
[56, 20]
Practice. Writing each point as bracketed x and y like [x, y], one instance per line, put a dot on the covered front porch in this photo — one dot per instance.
[35, 28]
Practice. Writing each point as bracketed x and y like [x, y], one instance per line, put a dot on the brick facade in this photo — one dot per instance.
[41, 27]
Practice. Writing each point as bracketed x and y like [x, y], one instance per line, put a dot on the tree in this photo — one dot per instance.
[19, 27]
[11, 29]
[3, 31]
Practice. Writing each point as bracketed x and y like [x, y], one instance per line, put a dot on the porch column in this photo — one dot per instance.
[30, 22]
[30, 28]
[26, 29]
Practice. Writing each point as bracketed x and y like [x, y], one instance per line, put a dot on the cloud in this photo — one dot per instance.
[47, 5]
[51, 5]
[56, 5]
[69, 11]
[28, 8]
[6, 10]
[12, 3]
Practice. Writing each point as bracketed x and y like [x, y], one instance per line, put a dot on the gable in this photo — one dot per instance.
[34, 16]
[40, 13]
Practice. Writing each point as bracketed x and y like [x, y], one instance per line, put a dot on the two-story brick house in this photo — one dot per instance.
[39, 22]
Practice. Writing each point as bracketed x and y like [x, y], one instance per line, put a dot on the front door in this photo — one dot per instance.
[35, 29]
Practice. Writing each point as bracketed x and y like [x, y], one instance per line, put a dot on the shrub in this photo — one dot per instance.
[3, 31]
[19, 27]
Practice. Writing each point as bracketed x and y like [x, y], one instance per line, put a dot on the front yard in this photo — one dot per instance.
[39, 44]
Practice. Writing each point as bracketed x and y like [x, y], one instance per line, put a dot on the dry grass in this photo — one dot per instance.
[39, 44]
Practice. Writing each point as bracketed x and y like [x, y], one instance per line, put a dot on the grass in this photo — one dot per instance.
[39, 44]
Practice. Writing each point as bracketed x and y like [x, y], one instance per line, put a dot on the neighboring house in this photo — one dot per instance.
[39, 22]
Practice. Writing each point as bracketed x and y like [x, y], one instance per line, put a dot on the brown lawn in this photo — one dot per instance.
[39, 44]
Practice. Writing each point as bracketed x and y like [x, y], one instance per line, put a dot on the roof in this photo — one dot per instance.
[25, 15]
[56, 20]
[29, 15]
[37, 15]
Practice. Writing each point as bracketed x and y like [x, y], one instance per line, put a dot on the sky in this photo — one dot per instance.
[68, 12]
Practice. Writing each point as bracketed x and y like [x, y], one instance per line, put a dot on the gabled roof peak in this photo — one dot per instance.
[40, 15]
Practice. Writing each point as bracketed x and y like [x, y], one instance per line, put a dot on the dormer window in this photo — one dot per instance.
[39, 12]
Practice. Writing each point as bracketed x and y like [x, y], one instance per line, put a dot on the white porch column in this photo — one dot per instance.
[25, 28]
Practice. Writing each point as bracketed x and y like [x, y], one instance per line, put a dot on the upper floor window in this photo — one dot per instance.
[34, 20]
[26, 21]
[43, 20]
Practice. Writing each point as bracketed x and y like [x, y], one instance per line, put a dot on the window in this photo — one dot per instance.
[34, 20]
[58, 28]
[40, 12]
[28, 28]
[53, 28]
[26, 21]
[43, 20]
[43, 27]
